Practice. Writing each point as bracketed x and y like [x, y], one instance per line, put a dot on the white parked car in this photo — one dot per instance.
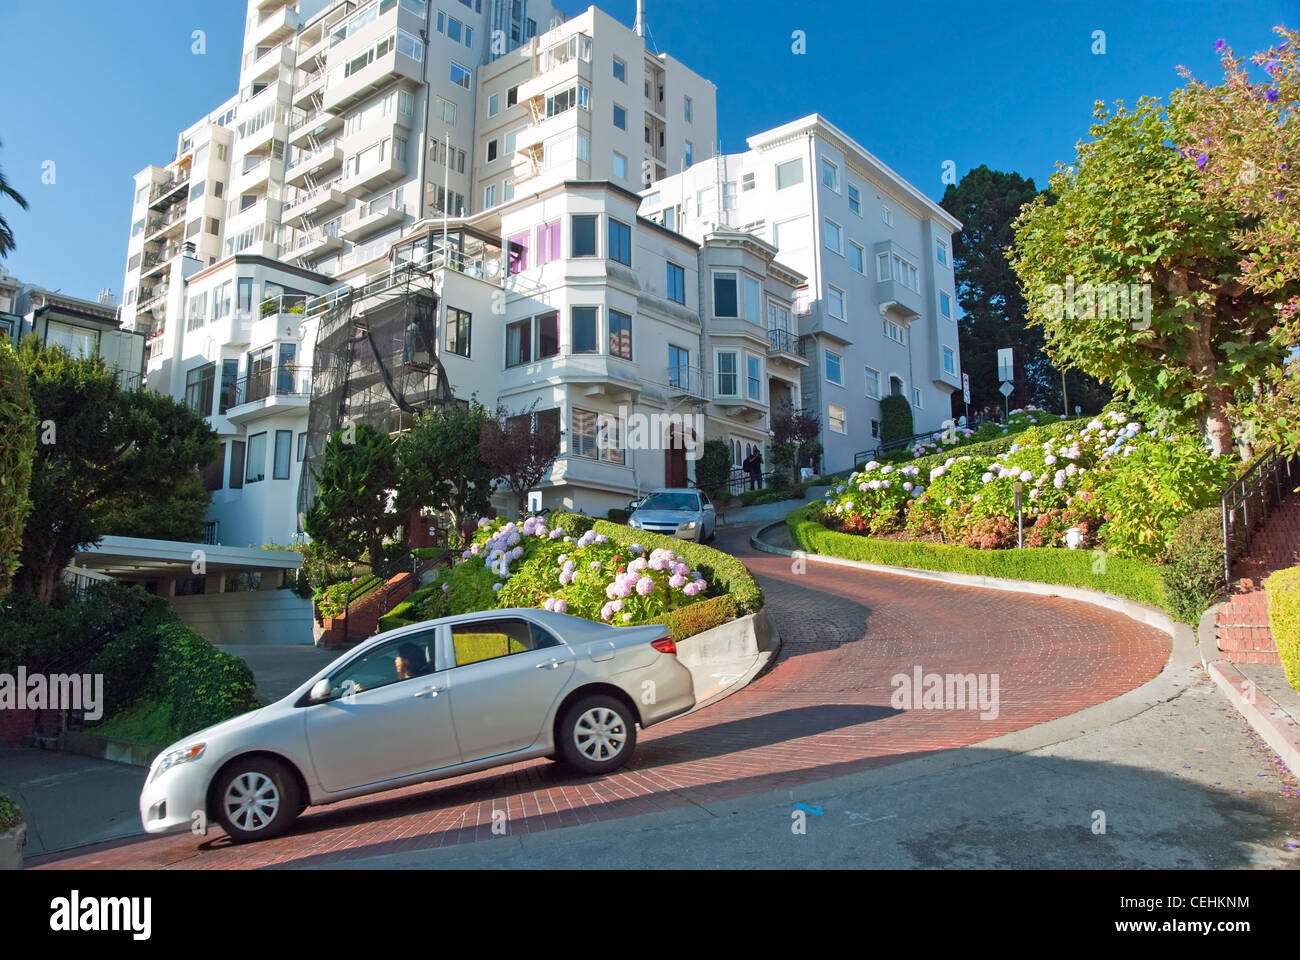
[421, 703]
[683, 512]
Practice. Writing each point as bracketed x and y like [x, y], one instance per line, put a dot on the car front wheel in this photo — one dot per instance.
[257, 799]
[597, 734]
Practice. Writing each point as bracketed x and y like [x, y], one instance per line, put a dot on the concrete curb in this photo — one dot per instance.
[724, 659]
[1279, 730]
[106, 748]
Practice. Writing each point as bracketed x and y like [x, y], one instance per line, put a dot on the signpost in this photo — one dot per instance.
[965, 393]
[1007, 374]
[1020, 514]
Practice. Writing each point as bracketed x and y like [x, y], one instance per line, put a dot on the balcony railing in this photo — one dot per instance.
[209, 534]
[167, 186]
[784, 341]
[688, 381]
[1247, 501]
[302, 158]
[285, 303]
[288, 380]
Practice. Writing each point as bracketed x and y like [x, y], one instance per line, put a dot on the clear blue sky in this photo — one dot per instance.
[102, 89]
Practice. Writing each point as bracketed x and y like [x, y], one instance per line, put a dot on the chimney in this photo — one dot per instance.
[639, 27]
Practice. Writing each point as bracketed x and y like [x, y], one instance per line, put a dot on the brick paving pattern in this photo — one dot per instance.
[1242, 620]
[822, 711]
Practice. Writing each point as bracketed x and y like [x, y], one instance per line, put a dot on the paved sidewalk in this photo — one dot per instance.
[764, 513]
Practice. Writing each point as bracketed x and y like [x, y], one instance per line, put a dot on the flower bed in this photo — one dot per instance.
[604, 572]
[1017, 421]
[1121, 487]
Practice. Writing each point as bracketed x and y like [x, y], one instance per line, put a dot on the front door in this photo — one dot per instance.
[390, 717]
[675, 458]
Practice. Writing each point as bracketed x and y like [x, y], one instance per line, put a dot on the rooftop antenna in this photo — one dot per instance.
[639, 27]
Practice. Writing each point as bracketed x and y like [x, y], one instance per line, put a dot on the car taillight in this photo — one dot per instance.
[665, 645]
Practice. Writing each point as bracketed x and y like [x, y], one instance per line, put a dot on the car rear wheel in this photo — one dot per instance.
[597, 734]
[257, 799]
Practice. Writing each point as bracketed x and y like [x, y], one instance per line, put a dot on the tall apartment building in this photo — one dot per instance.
[878, 315]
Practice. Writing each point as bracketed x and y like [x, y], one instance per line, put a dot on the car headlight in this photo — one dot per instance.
[688, 525]
[633, 522]
[183, 755]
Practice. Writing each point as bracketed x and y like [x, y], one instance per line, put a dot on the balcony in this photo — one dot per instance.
[373, 216]
[259, 393]
[265, 67]
[322, 199]
[786, 345]
[232, 330]
[308, 125]
[741, 407]
[342, 92]
[256, 175]
[276, 27]
[314, 243]
[149, 297]
[308, 85]
[687, 382]
[168, 192]
[388, 170]
[328, 157]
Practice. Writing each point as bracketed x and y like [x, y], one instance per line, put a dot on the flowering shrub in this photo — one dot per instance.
[1019, 419]
[1122, 486]
[527, 564]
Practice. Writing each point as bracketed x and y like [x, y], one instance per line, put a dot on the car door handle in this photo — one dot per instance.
[430, 691]
[549, 664]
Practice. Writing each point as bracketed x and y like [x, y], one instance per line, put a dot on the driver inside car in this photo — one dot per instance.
[410, 662]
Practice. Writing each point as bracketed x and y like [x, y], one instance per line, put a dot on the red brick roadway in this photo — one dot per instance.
[822, 711]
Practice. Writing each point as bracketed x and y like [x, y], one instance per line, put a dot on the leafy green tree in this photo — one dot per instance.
[17, 449]
[519, 450]
[180, 517]
[353, 513]
[7, 234]
[99, 447]
[1129, 211]
[713, 469]
[441, 466]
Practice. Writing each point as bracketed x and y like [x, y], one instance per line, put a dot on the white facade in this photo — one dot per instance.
[879, 314]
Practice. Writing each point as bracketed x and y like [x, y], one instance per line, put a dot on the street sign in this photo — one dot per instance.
[1006, 389]
[1006, 368]
[965, 387]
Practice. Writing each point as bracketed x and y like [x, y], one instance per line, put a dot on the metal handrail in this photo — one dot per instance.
[785, 341]
[1246, 502]
[287, 380]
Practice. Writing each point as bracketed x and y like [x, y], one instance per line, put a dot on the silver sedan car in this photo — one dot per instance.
[683, 513]
[421, 703]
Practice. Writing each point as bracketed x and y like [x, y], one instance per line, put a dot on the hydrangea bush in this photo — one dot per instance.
[1021, 418]
[1123, 486]
[527, 564]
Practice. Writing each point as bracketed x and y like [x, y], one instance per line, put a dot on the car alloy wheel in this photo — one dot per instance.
[600, 734]
[256, 798]
[252, 801]
[597, 734]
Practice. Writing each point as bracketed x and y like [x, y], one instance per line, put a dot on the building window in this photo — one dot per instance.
[887, 215]
[198, 389]
[855, 200]
[833, 239]
[548, 242]
[679, 367]
[620, 335]
[789, 173]
[949, 361]
[491, 151]
[834, 368]
[255, 464]
[875, 429]
[676, 283]
[460, 74]
[458, 331]
[584, 235]
[620, 70]
[582, 433]
[229, 384]
[688, 109]
[903, 271]
[835, 302]
[582, 332]
[237, 464]
[836, 416]
[548, 335]
[280, 466]
[830, 176]
[690, 153]
[753, 300]
[244, 302]
[446, 110]
[137, 228]
[727, 374]
[747, 183]
[494, 104]
[620, 167]
[512, 96]
[302, 446]
[519, 342]
[895, 332]
[620, 242]
[873, 383]
[941, 252]
[916, 397]
[620, 117]
[490, 195]
[754, 378]
[517, 254]
[945, 305]
[724, 295]
[857, 257]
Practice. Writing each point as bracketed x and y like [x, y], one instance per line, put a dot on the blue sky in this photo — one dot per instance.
[102, 89]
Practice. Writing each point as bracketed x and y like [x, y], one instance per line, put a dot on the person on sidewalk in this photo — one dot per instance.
[754, 465]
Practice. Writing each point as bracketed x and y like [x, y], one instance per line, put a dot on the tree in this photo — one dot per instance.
[6, 234]
[353, 512]
[99, 448]
[441, 465]
[795, 430]
[713, 469]
[895, 419]
[17, 450]
[1245, 140]
[180, 517]
[1132, 275]
[520, 449]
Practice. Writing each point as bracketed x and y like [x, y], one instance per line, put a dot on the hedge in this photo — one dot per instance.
[10, 814]
[1134, 579]
[688, 621]
[17, 453]
[398, 616]
[718, 568]
[203, 684]
[1194, 576]
[1283, 592]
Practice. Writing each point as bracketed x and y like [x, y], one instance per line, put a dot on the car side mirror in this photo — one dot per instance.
[320, 693]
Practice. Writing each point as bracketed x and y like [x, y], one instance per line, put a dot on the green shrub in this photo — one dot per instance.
[147, 721]
[698, 617]
[10, 814]
[771, 495]
[717, 567]
[1134, 579]
[322, 567]
[573, 524]
[714, 466]
[895, 419]
[126, 662]
[333, 600]
[1193, 576]
[408, 611]
[17, 451]
[204, 685]
[618, 515]
[1283, 592]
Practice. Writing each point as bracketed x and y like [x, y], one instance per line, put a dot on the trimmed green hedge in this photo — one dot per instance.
[1194, 576]
[688, 621]
[1283, 592]
[10, 814]
[718, 568]
[573, 524]
[203, 684]
[399, 616]
[1134, 579]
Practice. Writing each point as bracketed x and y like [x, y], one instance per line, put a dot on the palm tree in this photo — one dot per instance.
[7, 235]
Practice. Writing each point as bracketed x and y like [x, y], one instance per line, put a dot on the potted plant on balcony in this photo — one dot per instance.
[13, 834]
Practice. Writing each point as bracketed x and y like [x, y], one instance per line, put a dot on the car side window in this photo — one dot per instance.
[478, 640]
[405, 658]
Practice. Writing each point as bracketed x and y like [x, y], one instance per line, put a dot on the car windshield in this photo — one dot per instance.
[671, 501]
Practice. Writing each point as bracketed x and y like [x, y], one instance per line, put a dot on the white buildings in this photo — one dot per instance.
[879, 313]
[482, 160]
